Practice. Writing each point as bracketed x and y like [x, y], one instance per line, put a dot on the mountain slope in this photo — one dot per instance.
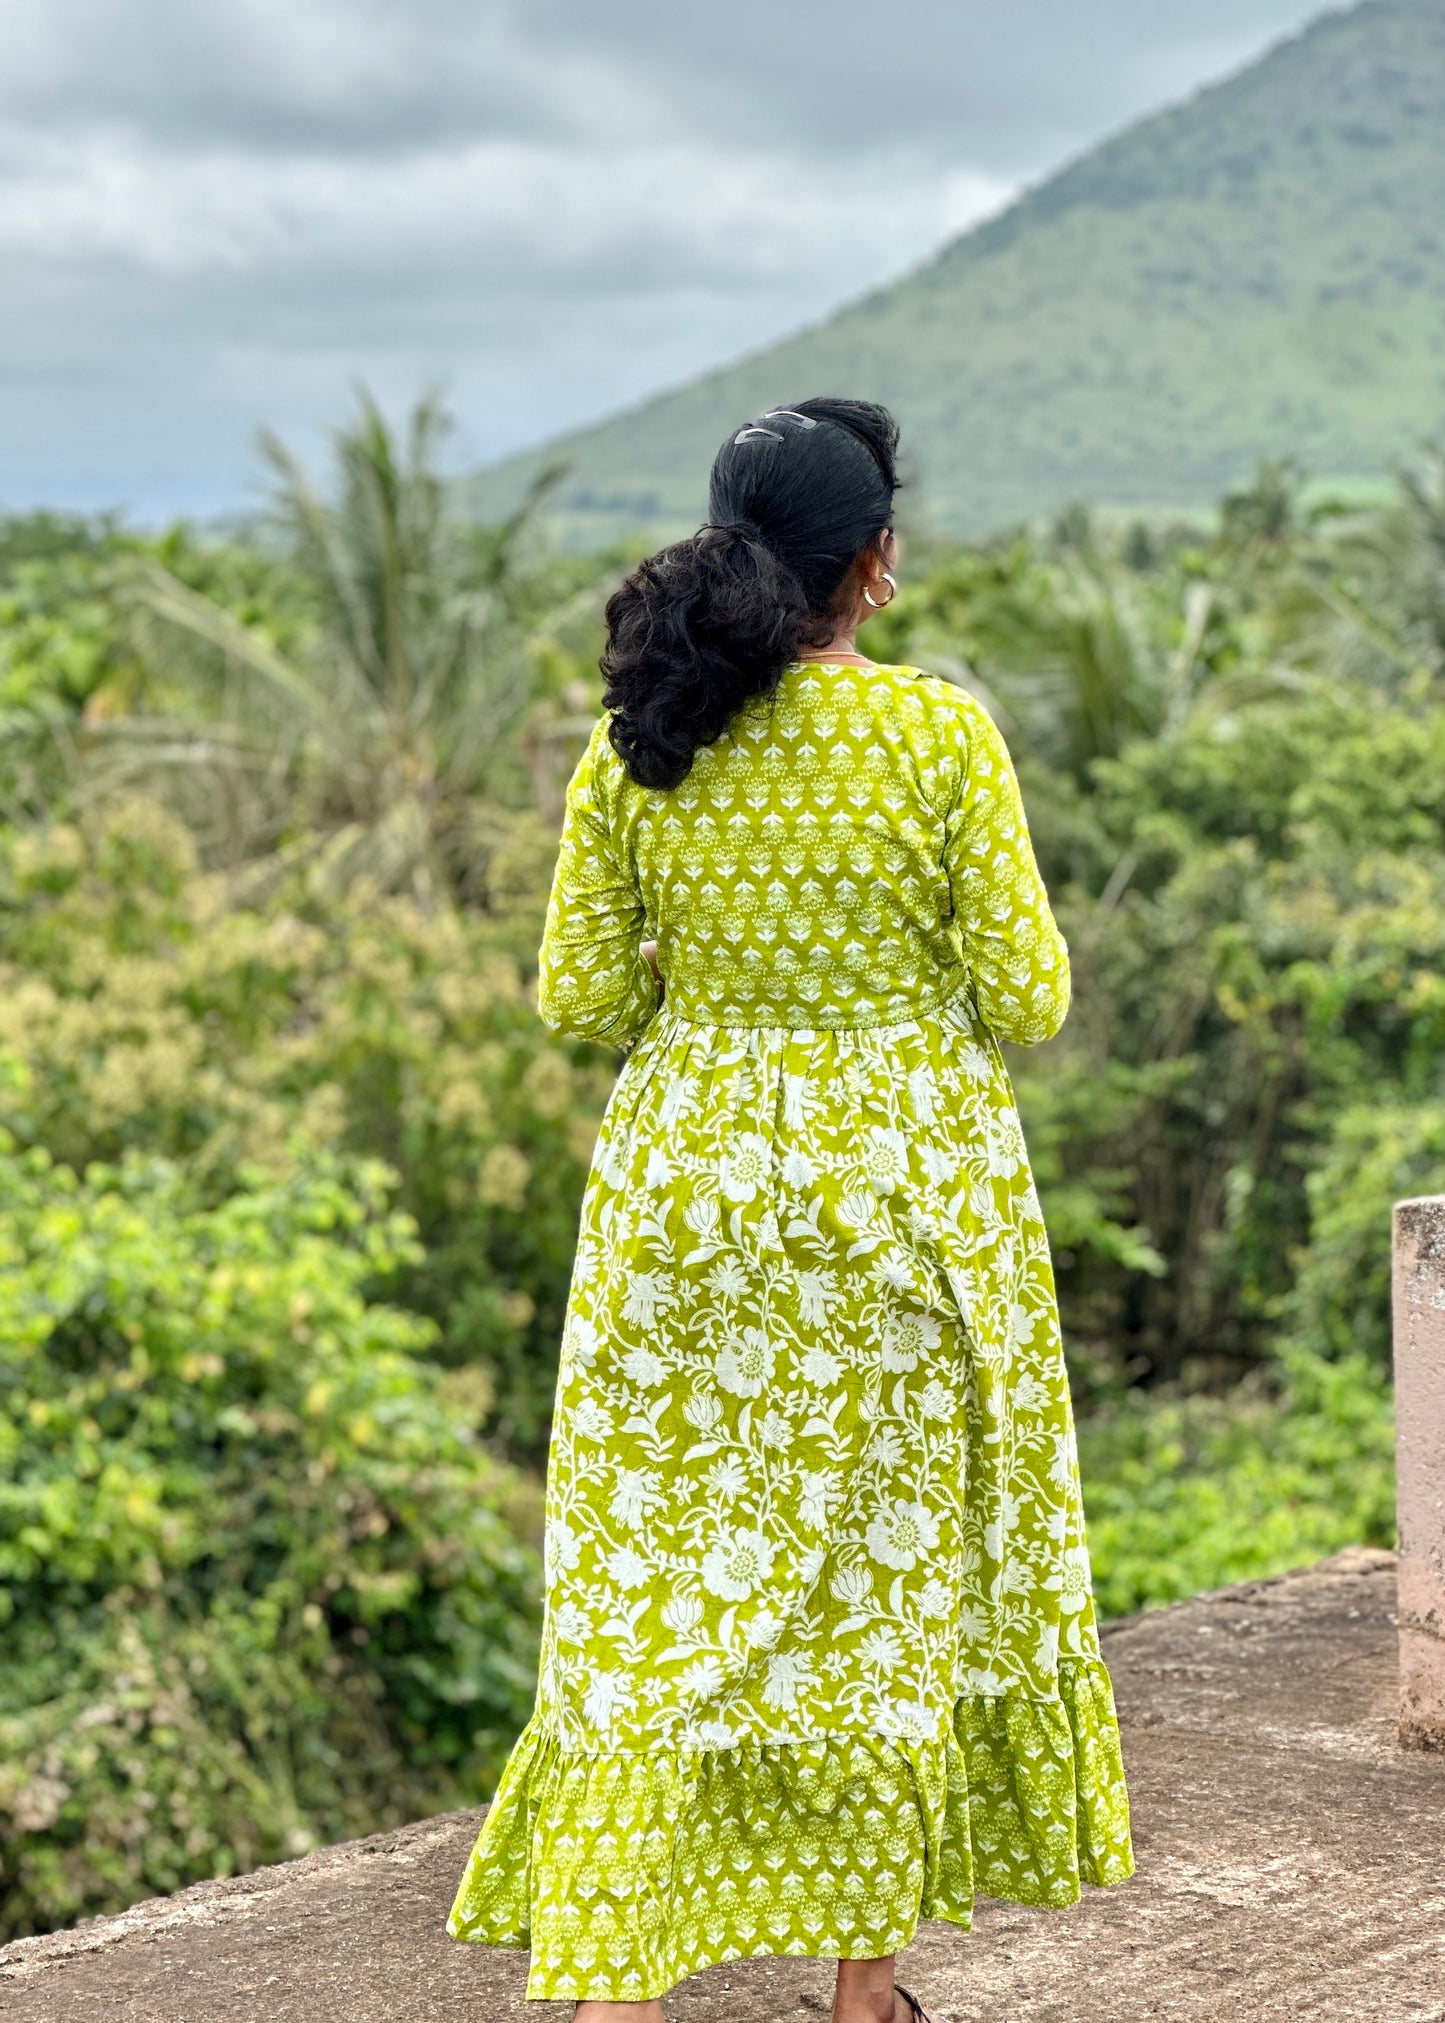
[1258, 272]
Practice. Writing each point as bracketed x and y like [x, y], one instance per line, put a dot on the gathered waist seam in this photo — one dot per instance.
[930, 1009]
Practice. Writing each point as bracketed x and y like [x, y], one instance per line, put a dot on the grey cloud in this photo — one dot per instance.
[302, 75]
[220, 212]
[1006, 87]
[1012, 85]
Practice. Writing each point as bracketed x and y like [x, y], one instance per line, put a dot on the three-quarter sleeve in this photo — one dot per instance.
[593, 980]
[1011, 941]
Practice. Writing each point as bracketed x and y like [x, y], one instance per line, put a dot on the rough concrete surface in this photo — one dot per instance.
[1291, 1864]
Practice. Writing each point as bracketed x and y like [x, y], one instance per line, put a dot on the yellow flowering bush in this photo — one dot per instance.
[153, 1012]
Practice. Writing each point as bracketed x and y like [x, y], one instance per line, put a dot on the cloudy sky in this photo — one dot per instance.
[218, 213]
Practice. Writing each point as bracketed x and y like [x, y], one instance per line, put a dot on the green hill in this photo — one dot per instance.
[1258, 272]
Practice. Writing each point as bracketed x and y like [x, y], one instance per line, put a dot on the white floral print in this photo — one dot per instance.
[745, 1167]
[885, 1158]
[898, 1536]
[907, 1338]
[738, 1564]
[744, 1363]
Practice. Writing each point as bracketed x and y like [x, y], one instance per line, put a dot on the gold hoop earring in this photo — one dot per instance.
[892, 593]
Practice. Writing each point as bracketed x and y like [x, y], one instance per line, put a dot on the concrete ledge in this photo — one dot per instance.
[1291, 1864]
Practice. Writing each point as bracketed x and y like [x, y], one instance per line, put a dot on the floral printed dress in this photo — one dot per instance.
[819, 1653]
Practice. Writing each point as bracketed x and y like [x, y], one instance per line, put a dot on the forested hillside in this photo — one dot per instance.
[1257, 273]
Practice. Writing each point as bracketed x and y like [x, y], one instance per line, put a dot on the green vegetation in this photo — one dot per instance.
[260, 1587]
[366, 725]
[291, 1169]
[1257, 273]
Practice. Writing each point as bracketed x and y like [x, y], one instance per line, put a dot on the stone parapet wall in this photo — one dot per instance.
[1419, 1339]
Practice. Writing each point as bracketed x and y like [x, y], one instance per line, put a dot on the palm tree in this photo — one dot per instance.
[381, 744]
[1382, 588]
[1356, 594]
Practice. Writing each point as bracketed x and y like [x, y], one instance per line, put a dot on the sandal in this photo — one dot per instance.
[920, 2014]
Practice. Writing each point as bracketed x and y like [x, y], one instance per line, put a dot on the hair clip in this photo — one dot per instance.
[755, 428]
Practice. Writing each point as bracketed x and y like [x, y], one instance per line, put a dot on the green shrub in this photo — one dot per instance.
[155, 1017]
[1187, 1492]
[260, 1584]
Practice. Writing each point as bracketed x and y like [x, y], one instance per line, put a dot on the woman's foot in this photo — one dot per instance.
[865, 1993]
[618, 2012]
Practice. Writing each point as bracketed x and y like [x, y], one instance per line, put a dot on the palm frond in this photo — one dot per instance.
[401, 707]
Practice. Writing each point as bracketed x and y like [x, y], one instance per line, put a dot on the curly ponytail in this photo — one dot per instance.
[692, 634]
[706, 624]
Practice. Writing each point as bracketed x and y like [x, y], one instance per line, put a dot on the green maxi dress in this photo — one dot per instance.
[819, 1653]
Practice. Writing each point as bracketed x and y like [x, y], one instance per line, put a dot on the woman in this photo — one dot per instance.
[819, 1655]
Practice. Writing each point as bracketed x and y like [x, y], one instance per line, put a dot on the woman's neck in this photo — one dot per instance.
[842, 646]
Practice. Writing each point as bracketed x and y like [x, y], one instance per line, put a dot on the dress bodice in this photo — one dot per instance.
[851, 851]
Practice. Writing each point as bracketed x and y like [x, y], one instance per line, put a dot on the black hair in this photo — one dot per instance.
[699, 628]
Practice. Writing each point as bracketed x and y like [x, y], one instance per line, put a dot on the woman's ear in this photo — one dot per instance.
[876, 580]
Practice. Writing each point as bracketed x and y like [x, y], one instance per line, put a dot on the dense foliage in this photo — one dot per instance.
[291, 1169]
[260, 1585]
[152, 1016]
